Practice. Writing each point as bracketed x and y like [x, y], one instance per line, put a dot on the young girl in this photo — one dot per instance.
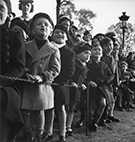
[42, 66]
[82, 57]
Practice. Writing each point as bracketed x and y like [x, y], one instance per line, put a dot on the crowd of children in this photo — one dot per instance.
[57, 65]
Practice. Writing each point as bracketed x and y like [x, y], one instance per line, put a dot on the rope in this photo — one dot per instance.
[35, 82]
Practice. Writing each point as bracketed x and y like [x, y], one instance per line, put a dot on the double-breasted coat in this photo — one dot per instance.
[112, 79]
[97, 73]
[79, 78]
[44, 62]
[12, 65]
[67, 71]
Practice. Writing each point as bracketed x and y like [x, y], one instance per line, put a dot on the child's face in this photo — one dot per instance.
[96, 51]
[84, 56]
[42, 28]
[66, 23]
[108, 48]
[59, 36]
[115, 51]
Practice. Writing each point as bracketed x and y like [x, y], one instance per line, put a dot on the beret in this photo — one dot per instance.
[81, 47]
[61, 27]
[39, 15]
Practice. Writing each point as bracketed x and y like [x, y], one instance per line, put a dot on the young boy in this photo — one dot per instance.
[113, 80]
[96, 77]
[82, 57]
[43, 65]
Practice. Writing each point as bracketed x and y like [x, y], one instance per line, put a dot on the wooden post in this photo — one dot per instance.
[87, 110]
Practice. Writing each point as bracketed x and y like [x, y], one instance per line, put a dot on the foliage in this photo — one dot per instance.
[83, 16]
[129, 39]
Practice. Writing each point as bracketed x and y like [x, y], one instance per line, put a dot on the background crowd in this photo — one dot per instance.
[46, 70]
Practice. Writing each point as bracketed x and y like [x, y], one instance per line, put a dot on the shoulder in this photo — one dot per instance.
[52, 46]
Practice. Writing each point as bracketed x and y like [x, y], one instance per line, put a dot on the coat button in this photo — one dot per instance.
[7, 46]
[7, 54]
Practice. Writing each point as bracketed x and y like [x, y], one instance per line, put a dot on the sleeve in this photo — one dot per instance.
[67, 73]
[17, 59]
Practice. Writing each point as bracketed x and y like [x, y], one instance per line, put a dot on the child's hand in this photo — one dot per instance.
[34, 78]
[74, 84]
[38, 78]
[30, 77]
[83, 86]
[93, 84]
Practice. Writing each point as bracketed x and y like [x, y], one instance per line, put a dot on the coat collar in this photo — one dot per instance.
[36, 54]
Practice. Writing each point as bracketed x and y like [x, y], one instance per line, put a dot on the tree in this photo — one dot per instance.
[129, 35]
[83, 16]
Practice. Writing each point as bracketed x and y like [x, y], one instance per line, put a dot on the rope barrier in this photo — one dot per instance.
[35, 82]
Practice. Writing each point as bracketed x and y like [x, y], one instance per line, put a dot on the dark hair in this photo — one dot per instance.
[86, 32]
[63, 18]
[105, 41]
[32, 7]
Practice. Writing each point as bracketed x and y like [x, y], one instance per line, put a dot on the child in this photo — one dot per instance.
[107, 46]
[96, 77]
[43, 65]
[82, 57]
[59, 38]
[125, 77]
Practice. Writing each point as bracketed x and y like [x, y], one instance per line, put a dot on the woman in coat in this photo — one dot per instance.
[12, 65]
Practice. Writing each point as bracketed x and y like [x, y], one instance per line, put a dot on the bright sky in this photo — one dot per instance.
[107, 11]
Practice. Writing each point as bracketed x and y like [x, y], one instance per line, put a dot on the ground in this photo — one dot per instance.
[123, 131]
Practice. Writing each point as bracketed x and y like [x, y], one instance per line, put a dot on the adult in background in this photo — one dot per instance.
[66, 21]
[12, 65]
[87, 36]
[27, 7]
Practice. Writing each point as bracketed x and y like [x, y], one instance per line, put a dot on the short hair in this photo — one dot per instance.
[105, 41]
[32, 7]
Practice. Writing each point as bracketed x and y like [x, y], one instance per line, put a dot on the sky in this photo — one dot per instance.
[107, 11]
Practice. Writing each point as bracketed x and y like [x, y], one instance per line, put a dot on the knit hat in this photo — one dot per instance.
[39, 15]
[8, 3]
[61, 27]
[81, 47]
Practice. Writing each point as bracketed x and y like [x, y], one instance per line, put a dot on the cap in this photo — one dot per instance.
[21, 24]
[61, 27]
[81, 47]
[39, 15]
